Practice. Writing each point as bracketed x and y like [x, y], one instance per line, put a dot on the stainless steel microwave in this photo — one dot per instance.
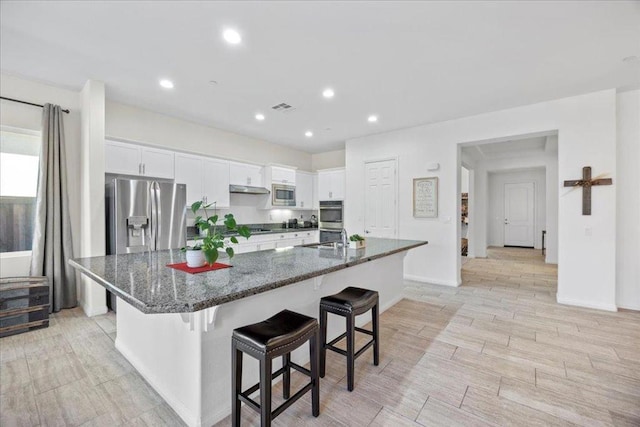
[283, 195]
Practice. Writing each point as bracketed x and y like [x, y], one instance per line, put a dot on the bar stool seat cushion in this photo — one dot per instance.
[281, 329]
[351, 299]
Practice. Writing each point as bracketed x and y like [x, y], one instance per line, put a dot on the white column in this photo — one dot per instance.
[92, 226]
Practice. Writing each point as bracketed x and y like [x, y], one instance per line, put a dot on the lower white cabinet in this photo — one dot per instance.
[262, 242]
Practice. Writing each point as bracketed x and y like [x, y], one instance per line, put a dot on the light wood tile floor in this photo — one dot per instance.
[496, 351]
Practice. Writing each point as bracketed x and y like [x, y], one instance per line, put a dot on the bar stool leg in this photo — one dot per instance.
[323, 341]
[314, 355]
[236, 372]
[376, 335]
[265, 392]
[286, 376]
[350, 350]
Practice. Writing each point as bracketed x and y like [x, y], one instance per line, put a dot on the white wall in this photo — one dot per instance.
[125, 122]
[586, 127]
[628, 189]
[497, 181]
[464, 180]
[29, 117]
[328, 160]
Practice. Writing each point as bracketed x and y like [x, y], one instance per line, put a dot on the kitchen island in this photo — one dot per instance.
[175, 327]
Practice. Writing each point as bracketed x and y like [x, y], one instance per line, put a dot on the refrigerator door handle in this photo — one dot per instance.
[152, 217]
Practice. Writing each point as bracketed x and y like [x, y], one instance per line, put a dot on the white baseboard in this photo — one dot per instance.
[586, 304]
[430, 280]
[629, 307]
[155, 384]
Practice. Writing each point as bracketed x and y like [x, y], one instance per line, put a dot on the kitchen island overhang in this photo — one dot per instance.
[182, 347]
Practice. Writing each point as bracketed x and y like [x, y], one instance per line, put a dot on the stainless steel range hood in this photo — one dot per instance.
[247, 189]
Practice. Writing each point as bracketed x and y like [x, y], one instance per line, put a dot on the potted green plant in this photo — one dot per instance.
[211, 235]
[356, 241]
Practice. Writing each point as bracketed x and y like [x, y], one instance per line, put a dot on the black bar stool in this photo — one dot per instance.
[276, 336]
[349, 303]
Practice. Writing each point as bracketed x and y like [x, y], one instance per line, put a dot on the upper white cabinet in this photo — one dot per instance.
[132, 159]
[207, 179]
[245, 174]
[122, 158]
[189, 172]
[216, 182]
[282, 175]
[316, 194]
[157, 163]
[304, 190]
[331, 184]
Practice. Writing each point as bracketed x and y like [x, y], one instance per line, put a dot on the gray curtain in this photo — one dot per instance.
[52, 232]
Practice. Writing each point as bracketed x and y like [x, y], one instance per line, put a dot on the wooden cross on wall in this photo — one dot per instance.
[586, 183]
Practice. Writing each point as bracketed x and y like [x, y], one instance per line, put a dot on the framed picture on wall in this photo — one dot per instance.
[425, 197]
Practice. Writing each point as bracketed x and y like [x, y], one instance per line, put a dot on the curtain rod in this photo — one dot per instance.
[28, 103]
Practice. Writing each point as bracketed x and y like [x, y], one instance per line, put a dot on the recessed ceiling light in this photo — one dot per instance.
[260, 117]
[166, 83]
[308, 134]
[231, 36]
[372, 119]
[328, 93]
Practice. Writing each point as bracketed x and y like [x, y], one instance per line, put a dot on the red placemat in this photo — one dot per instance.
[182, 266]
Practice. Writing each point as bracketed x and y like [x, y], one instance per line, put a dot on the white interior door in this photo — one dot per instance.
[380, 199]
[519, 214]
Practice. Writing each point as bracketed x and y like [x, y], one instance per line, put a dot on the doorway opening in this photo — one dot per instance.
[511, 200]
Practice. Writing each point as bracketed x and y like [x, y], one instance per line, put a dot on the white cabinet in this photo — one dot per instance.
[331, 184]
[304, 190]
[216, 182]
[157, 163]
[264, 242]
[282, 175]
[245, 174]
[206, 179]
[132, 159]
[189, 171]
[316, 194]
[122, 158]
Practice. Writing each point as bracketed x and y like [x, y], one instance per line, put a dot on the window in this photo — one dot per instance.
[19, 164]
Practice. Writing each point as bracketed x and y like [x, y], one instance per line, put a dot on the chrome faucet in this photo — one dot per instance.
[344, 238]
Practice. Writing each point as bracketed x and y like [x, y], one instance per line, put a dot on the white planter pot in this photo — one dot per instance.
[195, 258]
[356, 245]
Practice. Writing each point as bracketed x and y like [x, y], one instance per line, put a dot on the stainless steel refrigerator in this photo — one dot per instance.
[144, 215]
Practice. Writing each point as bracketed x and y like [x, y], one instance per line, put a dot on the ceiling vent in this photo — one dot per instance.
[283, 107]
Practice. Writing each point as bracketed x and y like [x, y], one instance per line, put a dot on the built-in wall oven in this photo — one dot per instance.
[331, 220]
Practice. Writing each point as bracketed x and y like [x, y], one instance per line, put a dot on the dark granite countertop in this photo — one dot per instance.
[144, 280]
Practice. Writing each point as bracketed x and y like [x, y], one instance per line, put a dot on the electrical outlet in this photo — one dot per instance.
[588, 231]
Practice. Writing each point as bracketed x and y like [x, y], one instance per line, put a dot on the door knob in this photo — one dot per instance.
[366, 231]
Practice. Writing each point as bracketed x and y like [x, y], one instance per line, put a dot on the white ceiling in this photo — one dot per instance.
[409, 62]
